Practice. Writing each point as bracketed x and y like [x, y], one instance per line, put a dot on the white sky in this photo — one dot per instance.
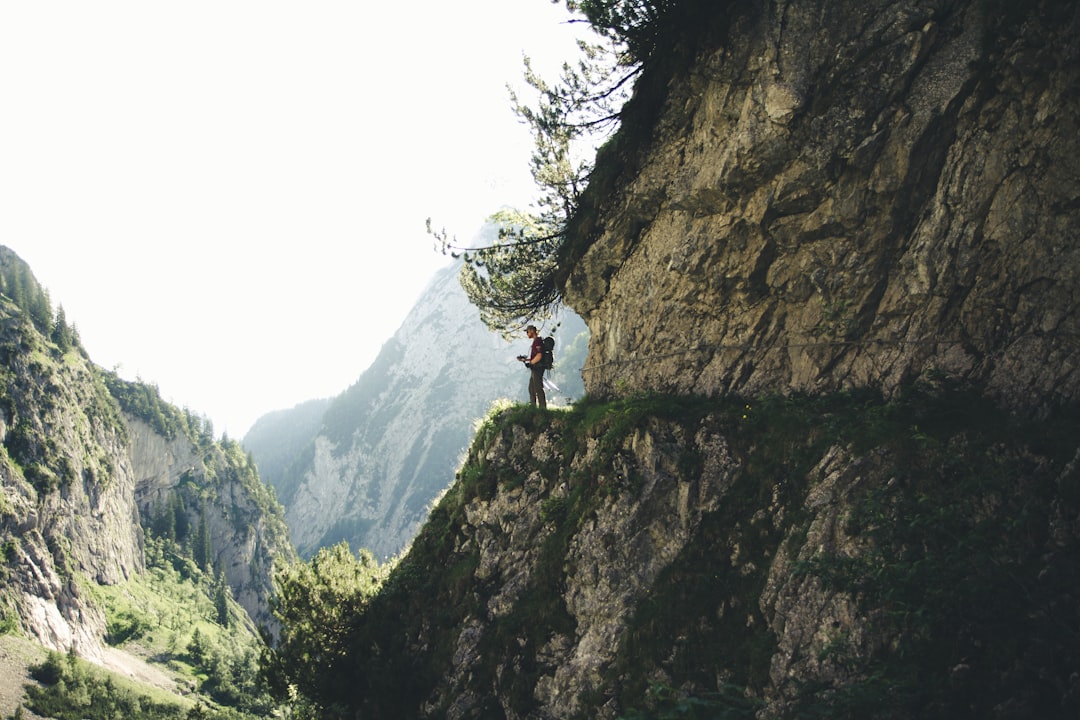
[228, 197]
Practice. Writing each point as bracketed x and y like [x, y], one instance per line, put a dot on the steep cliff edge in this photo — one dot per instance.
[829, 463]
[68, 505]
[841, 557]
[843, 194]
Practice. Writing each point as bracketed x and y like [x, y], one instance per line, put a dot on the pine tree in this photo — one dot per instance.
[221, 600]
[164, 525]
[61, 334]
[40, 308]
[514, 281]
[203, 551]
[181, 521]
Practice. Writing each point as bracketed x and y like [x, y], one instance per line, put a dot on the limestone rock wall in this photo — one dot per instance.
[78, 478]
[244, 537]
[68, 491]
[843, 194]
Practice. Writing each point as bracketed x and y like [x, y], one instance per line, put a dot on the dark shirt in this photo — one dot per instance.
[537, 349]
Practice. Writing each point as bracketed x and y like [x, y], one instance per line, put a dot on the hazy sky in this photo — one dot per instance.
[228, 197]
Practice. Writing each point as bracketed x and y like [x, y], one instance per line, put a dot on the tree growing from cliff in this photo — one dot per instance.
[62, 334]
[513, 280]
[202, 549]
[18, 283]
[640, 26]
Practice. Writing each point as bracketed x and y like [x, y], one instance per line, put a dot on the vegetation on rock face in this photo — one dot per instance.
[318, 603]
[518, 278]
[144, 401]
[647, 28]
[37, 378]
[73, 689]
[18, 284]
[188, 623]
[223, 465]
[74, 560]
[953, 544]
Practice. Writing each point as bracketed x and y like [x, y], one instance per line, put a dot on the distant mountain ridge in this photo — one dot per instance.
[368, 470]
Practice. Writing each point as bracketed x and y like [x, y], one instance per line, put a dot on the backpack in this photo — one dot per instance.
[548, 360]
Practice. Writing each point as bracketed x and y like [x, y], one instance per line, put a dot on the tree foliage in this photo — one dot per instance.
[637, 25]
[144, 401]
[18, 283]
[513, 279]
[72, 689]
[319, 605]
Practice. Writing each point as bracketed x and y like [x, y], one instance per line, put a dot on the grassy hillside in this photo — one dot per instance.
[192, 651]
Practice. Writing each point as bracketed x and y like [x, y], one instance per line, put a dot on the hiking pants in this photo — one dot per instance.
[536, 387]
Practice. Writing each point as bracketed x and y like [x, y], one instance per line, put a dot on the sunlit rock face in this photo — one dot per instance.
[390, 443]
[245, 539]
[67, 506]
[79, 479]
[849, 194]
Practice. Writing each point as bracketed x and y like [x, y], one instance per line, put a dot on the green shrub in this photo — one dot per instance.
[73, 690]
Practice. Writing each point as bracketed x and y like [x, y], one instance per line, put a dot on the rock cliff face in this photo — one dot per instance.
[840, 241]
[69, 503]
[81, 478]
[389, 444]
[840, 194]
[789, 559]
[246, 533]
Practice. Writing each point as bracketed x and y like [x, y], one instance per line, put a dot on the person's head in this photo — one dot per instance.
[530, 331]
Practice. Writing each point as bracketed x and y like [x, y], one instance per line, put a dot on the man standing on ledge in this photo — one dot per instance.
[535, 362]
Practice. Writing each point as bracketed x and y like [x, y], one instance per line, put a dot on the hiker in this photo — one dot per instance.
[534, 361]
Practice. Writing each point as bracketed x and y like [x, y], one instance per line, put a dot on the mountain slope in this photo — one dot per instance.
[278, 438]
[104, 484]
[388, 445]
[799, 557]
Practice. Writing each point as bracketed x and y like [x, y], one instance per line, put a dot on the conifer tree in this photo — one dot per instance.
[221, 600]
[61, 334]
[164, 525]
[513, 281]
[40, 308]
[181, 522]
[203, 551]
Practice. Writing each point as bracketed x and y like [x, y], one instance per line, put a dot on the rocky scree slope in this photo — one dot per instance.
[825, 195]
